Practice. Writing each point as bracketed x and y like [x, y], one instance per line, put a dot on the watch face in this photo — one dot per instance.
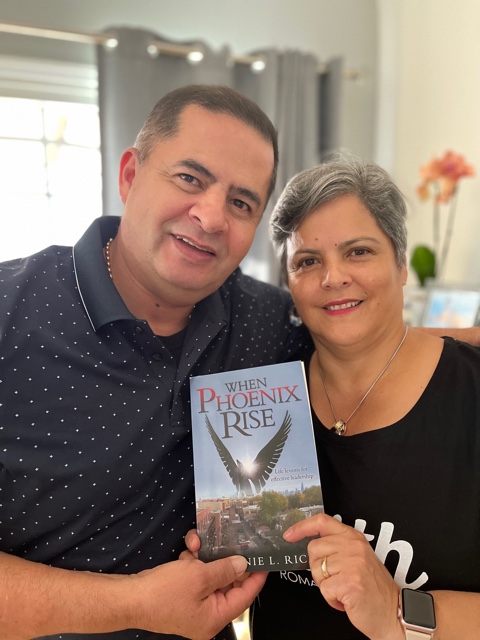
[418, 608]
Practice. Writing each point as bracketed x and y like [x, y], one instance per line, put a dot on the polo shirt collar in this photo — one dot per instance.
[100, 298]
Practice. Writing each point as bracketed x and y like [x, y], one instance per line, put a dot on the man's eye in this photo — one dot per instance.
[186, 177]
[240, 204]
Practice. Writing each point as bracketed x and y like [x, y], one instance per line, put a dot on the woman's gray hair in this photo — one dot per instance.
[314, 187]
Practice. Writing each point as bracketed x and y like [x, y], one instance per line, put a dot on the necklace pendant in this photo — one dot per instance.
[339, 427]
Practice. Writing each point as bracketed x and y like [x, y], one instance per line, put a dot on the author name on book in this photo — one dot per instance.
[273, 561]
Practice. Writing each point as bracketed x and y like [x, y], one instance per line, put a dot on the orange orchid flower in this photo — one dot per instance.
[441, 176]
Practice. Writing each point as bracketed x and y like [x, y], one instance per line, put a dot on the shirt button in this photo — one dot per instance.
[156, 356]
[138, 329]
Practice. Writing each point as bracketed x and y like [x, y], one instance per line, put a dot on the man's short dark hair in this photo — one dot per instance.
[164, 119]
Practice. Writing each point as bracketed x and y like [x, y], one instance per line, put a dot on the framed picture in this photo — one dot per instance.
[448, 306]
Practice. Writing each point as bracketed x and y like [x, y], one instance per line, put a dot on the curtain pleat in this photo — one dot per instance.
[331, 100]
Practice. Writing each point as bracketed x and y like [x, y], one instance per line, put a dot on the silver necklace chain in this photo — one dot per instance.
[109, 268]
[340, 426]
[107, 257]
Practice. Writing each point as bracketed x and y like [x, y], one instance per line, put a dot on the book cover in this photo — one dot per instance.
[255, 463]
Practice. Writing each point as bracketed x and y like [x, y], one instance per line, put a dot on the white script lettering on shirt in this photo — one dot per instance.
[382, 548]
[385, 545]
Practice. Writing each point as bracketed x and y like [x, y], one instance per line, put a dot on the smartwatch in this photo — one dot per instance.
[417, 614]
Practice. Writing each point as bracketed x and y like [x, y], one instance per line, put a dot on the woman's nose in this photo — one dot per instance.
[334, 276]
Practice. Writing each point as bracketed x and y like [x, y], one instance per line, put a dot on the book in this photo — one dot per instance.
[255, 464]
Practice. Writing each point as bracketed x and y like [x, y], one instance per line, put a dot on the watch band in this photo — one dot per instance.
[410, 634]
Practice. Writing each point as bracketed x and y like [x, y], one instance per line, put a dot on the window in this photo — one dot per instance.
[50, 171]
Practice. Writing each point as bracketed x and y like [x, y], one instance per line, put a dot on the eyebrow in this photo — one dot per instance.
[342, 245]
[347, 243]
[196, 166]
[189, 163]
[248, 193]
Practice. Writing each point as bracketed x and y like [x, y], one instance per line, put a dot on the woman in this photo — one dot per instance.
[396, 415]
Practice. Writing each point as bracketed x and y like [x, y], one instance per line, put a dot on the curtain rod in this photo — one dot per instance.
[109, 40]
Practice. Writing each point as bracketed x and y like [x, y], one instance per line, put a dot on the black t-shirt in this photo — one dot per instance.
[411, 487]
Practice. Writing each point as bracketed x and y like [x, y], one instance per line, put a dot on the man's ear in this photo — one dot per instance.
[128, 169]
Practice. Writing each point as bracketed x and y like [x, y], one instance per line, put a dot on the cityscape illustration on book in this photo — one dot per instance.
[255, 463]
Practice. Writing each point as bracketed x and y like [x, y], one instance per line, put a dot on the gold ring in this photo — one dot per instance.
[324, 569]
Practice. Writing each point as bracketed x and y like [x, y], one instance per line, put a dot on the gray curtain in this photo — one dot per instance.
[301, 103]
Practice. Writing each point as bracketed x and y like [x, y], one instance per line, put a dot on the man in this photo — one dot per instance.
[96, 349]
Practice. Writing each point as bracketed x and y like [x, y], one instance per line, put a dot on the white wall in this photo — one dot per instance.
[438, 108]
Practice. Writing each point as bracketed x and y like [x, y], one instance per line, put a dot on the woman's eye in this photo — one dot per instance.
[360, 252]
[307, 262]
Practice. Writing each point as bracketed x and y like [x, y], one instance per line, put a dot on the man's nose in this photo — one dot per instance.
[210, 210]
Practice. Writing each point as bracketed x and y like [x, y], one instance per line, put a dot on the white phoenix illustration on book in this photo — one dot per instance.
[256, 473]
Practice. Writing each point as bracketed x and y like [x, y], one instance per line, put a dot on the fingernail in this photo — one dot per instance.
[287, 534]
[239, 564]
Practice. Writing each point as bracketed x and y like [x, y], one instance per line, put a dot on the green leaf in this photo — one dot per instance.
[423, 263]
